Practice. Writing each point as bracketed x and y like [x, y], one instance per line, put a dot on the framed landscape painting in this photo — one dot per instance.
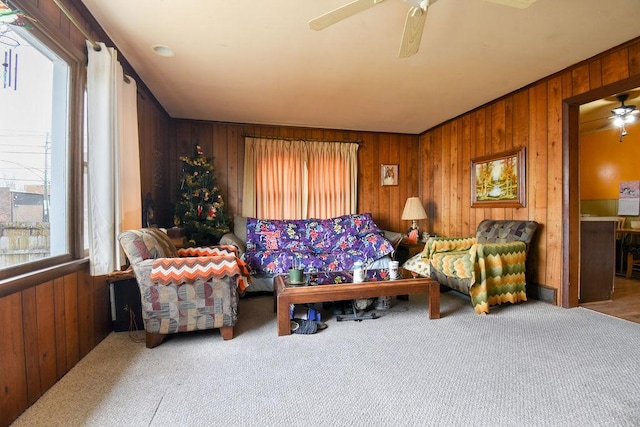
[498, 180]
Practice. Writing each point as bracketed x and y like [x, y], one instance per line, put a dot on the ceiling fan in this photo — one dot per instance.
[414, 23]
[624, 114]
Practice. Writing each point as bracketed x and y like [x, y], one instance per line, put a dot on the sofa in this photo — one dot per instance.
[271, 247]
[184, 290]
[490, 267]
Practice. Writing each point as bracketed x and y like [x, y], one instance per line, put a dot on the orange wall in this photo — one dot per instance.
[605, 162]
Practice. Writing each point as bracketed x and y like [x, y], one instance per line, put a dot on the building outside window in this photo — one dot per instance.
[34, 150]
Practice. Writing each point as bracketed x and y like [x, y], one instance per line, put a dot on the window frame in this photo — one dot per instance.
[22, 276]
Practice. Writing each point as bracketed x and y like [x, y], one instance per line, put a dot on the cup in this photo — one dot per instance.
[295, 275]
[358, 272]
[394, 272]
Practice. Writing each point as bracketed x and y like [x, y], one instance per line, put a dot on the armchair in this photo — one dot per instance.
[184, 290]
[489, 267]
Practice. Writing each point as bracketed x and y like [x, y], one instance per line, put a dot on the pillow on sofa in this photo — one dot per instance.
[240, 227]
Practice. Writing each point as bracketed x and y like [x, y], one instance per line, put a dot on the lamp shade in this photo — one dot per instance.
[413, 209]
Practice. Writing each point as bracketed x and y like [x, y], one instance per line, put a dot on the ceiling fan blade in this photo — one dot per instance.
[520, 4]
[343, 12]
[412, 34]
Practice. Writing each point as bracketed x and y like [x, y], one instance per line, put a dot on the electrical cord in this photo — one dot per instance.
[133, 328]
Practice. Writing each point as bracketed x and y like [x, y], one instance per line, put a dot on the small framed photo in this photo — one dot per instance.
[389, 175]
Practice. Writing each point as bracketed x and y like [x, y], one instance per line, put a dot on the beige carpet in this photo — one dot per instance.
[531, 364]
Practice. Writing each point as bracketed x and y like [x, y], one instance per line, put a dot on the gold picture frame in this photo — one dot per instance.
[388, 175]
[498, 180]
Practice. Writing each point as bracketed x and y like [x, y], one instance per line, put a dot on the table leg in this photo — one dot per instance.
[434, 301]
[284, 323]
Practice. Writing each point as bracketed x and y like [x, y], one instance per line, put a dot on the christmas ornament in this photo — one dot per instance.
[211, 213]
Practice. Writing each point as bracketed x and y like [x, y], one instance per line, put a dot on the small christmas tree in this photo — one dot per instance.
[200, 208]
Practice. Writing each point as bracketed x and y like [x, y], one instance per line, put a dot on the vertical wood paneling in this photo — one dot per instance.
[383, 208]
[530, 118]
[435, 164]
[85, 313]
[466, 142]
[580, 78]
[477, 150]
[13, 385]
[520, 135]
[595, 75]
[45, 318]
[453, 187]
[445, 193]
[554, 181]
[72, 346]
[40, 339]
[60, 327]
[102, 325]
[30, 327]
[634, 59]
[615, 66]
[226, 142]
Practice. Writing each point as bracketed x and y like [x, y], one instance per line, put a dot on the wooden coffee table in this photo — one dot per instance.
[286, 294]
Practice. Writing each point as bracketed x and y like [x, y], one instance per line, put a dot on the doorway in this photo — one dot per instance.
[580, 112]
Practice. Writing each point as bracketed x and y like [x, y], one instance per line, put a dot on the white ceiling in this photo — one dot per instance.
[258, 62]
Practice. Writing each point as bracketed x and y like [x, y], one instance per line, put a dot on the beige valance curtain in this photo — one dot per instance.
[295, 179]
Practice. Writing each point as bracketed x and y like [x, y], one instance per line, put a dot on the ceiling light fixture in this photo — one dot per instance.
[162, 50]
[623, 115]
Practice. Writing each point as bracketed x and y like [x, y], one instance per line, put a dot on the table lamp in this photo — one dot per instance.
[414, 211]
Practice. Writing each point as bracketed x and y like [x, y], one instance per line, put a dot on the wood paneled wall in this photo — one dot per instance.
[48, 327]
[45, 331]
[225, 142]
[533, 118]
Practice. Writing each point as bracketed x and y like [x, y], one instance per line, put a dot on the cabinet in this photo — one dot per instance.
[126, 307]
[597, 258]
[406, 250]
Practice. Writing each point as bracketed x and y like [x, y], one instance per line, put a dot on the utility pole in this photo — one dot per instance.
[45, 193]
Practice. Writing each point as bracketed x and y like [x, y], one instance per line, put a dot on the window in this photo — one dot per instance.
[34, 154]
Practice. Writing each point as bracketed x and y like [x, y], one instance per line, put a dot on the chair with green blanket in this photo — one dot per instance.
[489, 267]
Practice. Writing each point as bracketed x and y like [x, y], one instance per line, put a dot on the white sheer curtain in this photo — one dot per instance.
[114, 195]
[293, 179]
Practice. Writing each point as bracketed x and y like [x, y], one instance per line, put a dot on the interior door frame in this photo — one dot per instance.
[571, 182]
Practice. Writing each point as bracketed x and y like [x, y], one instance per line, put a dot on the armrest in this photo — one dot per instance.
[233, 240]
[203, 251]
[447, 244]
[395, 238]
[166, 271]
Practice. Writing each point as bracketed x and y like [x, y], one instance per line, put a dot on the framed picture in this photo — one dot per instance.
[389, 175]
[498, 180]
